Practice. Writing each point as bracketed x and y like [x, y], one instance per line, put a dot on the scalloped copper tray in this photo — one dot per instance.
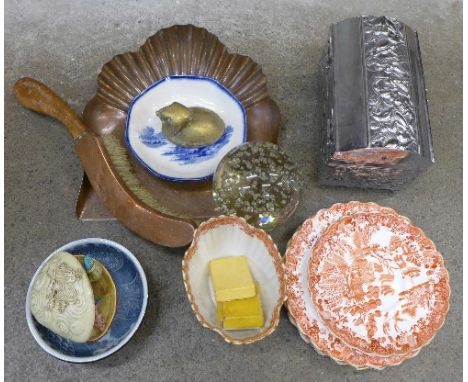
[180, 49]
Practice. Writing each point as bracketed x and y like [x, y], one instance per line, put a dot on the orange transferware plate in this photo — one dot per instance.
[301, 309]
[379, 283]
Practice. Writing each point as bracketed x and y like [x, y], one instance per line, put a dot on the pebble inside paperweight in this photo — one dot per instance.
[259, 182]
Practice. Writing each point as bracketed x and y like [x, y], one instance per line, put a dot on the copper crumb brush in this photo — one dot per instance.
[106, 164]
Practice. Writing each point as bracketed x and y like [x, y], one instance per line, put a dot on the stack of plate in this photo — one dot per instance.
[365, 286]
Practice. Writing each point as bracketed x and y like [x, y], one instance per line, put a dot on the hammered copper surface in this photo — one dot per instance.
[179, 50]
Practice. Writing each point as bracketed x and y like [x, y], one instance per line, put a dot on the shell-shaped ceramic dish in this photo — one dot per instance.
[132, 296]
[181, 50]
[232, 236]
[147, 142]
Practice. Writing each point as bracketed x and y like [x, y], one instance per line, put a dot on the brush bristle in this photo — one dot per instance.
[119, 157]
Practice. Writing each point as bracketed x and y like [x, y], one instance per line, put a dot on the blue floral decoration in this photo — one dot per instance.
[185, 155]
[130, 301]
[151, 139]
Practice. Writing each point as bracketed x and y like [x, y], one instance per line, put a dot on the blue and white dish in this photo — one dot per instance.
[132, 297]
[146, 142]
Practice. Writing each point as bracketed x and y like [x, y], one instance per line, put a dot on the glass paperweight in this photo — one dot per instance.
[259, 182]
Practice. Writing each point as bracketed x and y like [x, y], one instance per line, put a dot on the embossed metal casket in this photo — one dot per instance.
[377, 131]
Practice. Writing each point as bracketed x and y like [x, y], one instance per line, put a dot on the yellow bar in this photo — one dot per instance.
[231, 278]
[241, 314]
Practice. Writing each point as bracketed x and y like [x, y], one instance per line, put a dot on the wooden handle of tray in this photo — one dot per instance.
[36, 96]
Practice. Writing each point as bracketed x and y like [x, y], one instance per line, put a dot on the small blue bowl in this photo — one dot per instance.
[147, 143]
[132, 296]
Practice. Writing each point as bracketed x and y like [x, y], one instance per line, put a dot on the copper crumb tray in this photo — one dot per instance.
[176, 50]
